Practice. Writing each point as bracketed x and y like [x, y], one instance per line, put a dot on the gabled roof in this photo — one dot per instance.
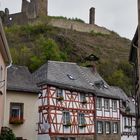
[19, 79]
[73, 77]
[4, 49]
[125, 98]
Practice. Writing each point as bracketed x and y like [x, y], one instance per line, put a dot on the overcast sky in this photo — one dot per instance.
[117, 15]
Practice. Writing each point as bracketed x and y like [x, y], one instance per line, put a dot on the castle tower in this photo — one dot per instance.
[92, 15]
[42, 7]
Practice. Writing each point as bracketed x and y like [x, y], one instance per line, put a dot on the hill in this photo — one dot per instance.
[33, 44]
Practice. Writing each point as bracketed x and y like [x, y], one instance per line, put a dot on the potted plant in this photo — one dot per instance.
[84, 101]
[82, 125]
[68, 124]
[16, 120]
[60, 98]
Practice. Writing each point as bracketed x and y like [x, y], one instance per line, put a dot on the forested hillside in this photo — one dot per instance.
[32, 45]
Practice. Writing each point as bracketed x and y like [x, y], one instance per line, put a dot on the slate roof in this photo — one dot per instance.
[20, 79]
[71, 76]
[125, 98]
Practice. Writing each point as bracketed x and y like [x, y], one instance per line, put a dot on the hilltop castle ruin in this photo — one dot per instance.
[30, 10]
[33, 9]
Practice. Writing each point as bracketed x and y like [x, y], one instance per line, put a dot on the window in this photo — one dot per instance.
[129, 121]
[125, 123]
[106, 104]
[99, 103]
[99, 127]
[107, 127]
[114, 105]
[16, 113]
[66, 118]
[81, 119]
[59, 93]
[83, 98]
[115, 127]
[60, 96]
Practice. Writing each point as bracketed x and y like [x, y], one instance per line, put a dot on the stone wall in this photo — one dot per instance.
[77, 26]
[19, 19]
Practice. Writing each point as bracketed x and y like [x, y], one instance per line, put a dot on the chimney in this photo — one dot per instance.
[92, 15]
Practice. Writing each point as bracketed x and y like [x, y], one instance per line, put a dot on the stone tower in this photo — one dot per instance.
[41, 7]
[35, 8]
[92, 15]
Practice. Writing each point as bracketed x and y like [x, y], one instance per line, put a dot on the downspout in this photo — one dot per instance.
[8, 66]
[95, 125]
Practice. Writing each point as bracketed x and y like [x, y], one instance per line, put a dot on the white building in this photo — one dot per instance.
[21, 109]
[127, 116]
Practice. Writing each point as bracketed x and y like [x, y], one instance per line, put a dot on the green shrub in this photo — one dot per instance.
[7, 134]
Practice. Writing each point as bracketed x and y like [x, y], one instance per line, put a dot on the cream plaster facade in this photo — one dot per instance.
[27, 130]
[2, 88]
[5, 60]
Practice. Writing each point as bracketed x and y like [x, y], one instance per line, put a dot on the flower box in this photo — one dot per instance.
[16, 120]
[82, 125]
[84, 101]
[68, 124]
[60, 98]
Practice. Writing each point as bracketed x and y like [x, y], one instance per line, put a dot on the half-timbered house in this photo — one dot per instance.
[67, 104]
[127, 116]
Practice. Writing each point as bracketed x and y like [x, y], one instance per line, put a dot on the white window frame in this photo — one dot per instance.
[82, 97]
[107, 128]
[66, 117]
[107, 104]
[60, 92]
[115, 127]
[99, 103]
[100, 127]
[81, 119]
[114, 105]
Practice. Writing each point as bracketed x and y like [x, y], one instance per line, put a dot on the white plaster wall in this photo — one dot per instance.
[110, 112]
[129, 138]
[2, 89]
[27, 130]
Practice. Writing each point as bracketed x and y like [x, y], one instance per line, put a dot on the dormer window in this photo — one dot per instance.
[100, 84]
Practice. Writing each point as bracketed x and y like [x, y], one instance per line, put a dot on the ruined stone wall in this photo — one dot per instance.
[81, 27]
[29, 8]
[41, 7]
[18, 18]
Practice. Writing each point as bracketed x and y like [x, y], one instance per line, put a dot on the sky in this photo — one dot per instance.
[117, 15]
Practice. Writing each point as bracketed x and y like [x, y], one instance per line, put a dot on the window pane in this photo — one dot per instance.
[114, 105]
[59, 93]
[107, 126]
[99, 103]
[66, 117]
[106, 104]
[99, 127]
